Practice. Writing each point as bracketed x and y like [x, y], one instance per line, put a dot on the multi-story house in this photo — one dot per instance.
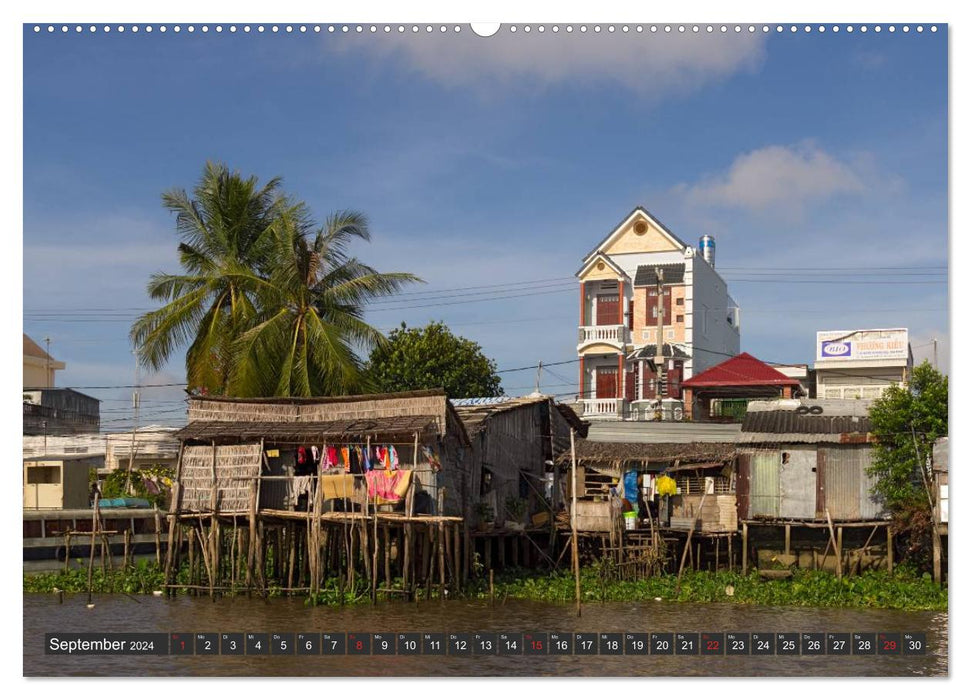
[620, 292]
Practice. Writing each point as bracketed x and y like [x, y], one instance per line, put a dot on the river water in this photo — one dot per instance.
[119, 613]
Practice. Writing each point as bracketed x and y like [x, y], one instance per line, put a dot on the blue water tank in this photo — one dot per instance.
[706, 244]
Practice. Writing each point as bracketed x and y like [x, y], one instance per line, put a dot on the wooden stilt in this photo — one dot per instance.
[889, 550]
[457, 553]
[386, 546]
[788, 538]
[406, 558]
[839, 547]
[441, 554]
[158, 537]
[67, 551]
[744, 548]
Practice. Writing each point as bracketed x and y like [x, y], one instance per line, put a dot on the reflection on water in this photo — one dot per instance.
[117, 613]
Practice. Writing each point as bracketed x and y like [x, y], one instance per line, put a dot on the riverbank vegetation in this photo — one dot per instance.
[902, 590]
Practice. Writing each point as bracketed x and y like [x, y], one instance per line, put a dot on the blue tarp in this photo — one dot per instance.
[124, 503]
[630, 486]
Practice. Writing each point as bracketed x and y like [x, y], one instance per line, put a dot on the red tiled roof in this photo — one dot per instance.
[741, 370]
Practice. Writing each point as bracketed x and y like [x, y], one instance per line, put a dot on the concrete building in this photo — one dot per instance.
[861, 364]
[154, 445]
[51, 411]
[39, 367]
[638, 275]
[57, 481]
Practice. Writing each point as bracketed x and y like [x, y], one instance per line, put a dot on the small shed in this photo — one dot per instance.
[697, 469]
[801, 458]
[58, 481]
[939, 464]
[722, 392]
[514, 442]
[231, 443]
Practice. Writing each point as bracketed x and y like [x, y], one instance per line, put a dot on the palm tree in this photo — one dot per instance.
[227, 232]
[310, 326]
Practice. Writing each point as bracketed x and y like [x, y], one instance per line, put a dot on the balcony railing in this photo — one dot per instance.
[613, 335]
[604, 408]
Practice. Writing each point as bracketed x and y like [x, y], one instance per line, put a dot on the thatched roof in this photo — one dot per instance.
[396, 414]
[611, 452]
[278, 430]
[315, 400]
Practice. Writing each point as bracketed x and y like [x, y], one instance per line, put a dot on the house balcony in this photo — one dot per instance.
[616, 336]
[616, 409]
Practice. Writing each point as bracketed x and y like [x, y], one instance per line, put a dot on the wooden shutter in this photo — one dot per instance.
[608, 309]
[606, 382]
[629, 384]
[674, 381]
[649, 388]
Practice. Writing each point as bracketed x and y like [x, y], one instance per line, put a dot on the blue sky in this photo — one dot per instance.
[497, 162]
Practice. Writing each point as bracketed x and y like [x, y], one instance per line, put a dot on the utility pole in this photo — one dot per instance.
[935, 353]
[136, 401]
[539, 373]
[47, 363]
[659, 347]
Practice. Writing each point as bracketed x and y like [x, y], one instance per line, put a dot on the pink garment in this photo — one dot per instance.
[382, 484]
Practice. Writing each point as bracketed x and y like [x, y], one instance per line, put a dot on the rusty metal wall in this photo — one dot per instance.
[841, 480]
[847, 484]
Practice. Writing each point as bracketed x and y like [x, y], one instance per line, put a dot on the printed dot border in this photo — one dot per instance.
[456, 29]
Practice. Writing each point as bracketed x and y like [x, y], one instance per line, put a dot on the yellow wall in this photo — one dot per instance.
[642, 321]
[36, 371]
[651, 241]
[592, 274]
[599, 349]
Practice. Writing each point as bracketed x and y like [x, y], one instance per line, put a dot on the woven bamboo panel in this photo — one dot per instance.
[236, 466]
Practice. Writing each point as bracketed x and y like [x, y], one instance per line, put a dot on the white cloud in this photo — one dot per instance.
[645, 62]
[777, 177]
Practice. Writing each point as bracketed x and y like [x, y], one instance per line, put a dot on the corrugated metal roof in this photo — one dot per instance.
[663, 432]
[789, 426]
[647, 274]
[741, 370]
[474, 415]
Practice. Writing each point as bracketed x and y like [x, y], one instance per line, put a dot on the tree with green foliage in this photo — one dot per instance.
[310, 316]
[430, 357]
[268, 303]
[905, 422]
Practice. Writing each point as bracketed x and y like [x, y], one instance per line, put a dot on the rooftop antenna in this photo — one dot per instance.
[47, 362]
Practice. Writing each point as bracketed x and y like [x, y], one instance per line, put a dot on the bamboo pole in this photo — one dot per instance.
[94, 534]
[687, 544]
[836, 550]
[386, 549]
[573, 520]
[67, 551]
[441, 553]
[744, 549]
[158, 537]
[176, 497]
[890, 548]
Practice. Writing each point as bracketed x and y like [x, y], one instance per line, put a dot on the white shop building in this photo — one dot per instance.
[861, 364]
